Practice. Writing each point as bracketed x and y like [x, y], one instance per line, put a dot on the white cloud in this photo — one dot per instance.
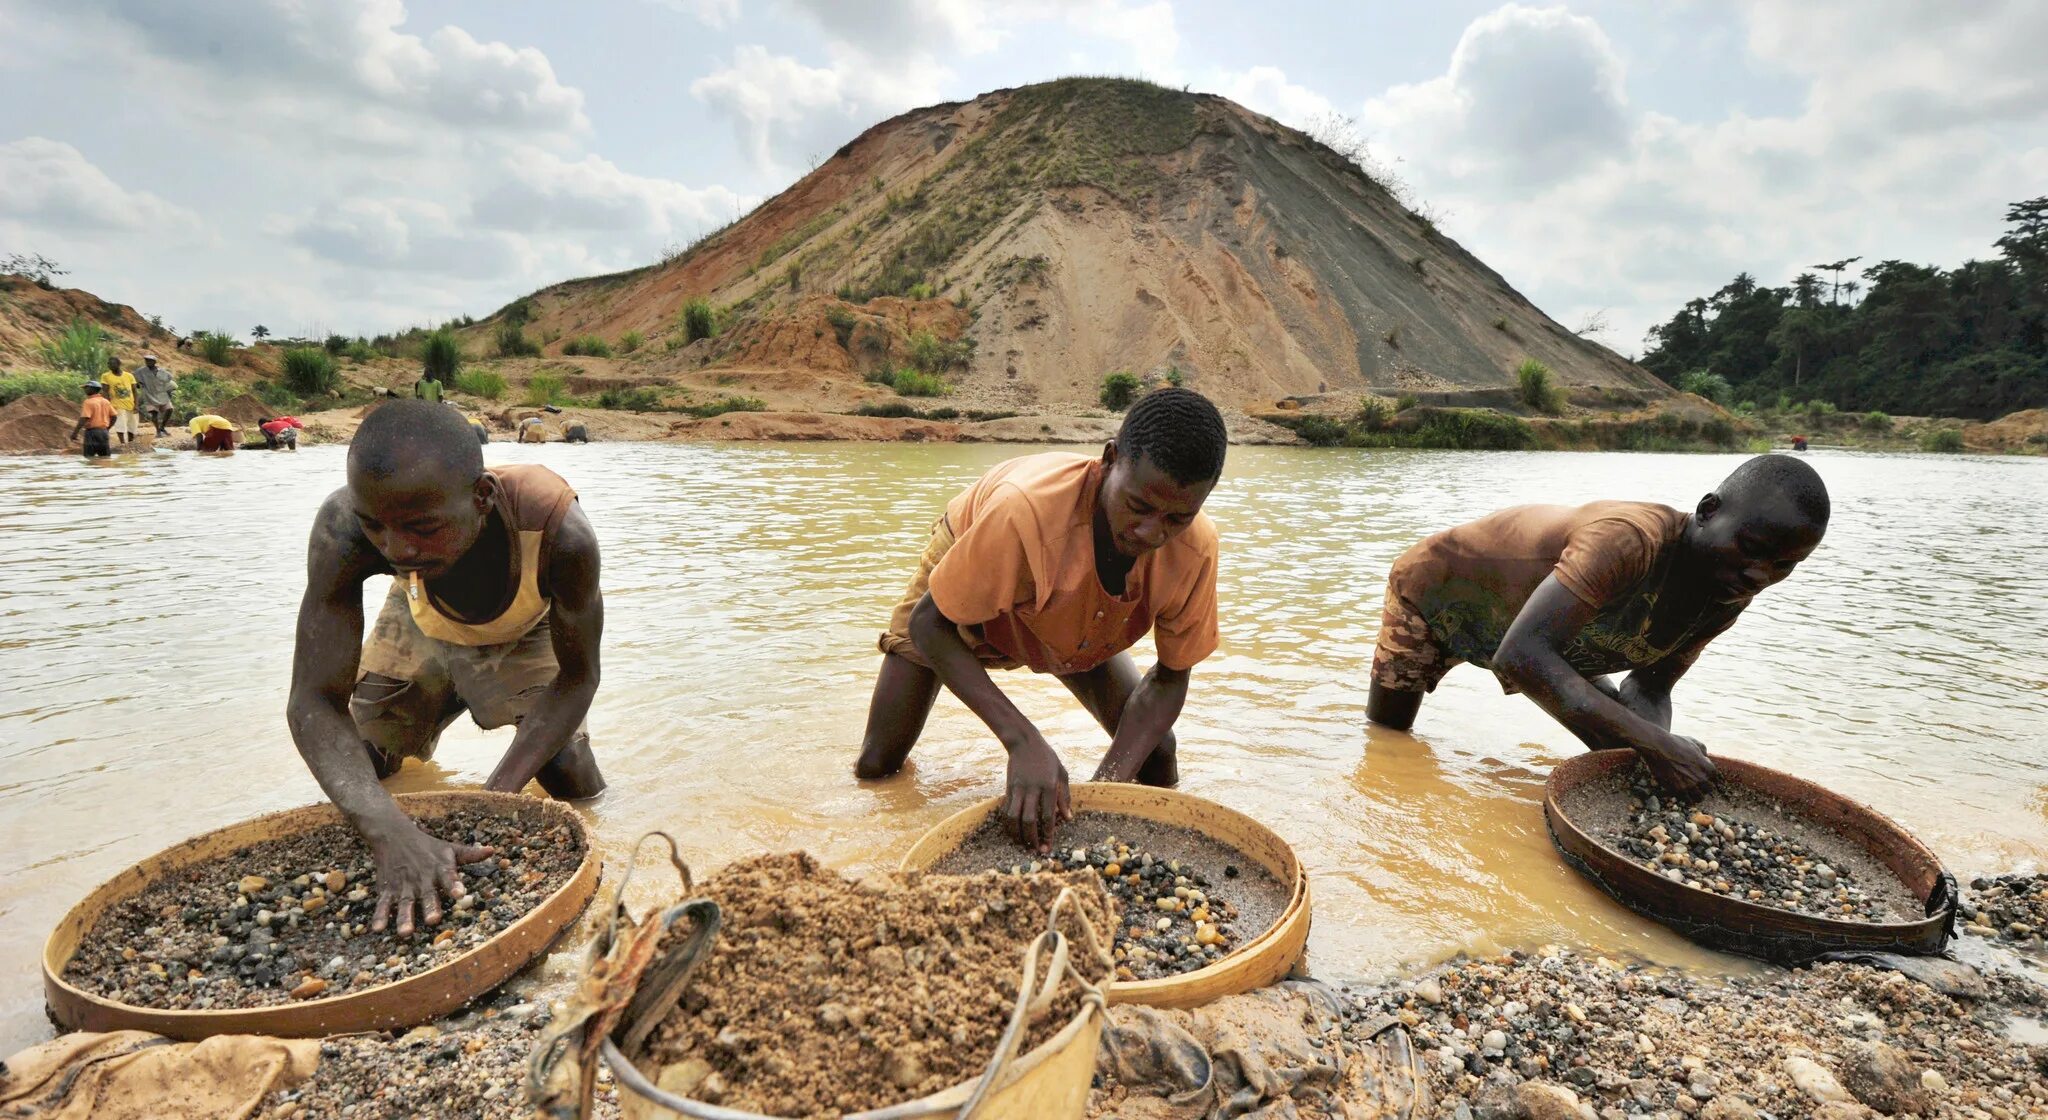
[1918, 125]
[1266, 89]
[355, 52]
[538, 190]
[50, 183]
[712, 13]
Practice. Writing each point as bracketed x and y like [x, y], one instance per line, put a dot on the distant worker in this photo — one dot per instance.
[120, 389]
[533, 430]
[280, 433]
[575, 433]
[1061, 563]
[494, 608]
[213, 433]
[95, 419]
[1798, 443]
[427, 388]
[1553, 598]
[483, 434]
[157, 387]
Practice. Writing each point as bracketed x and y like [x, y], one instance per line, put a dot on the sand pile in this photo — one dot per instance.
[37, 422]
[825, 995]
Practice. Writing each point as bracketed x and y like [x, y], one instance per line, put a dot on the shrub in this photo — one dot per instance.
[1745, 408]
[794, 273]
[1320, 430]
[519, 312]
[630, 341]
[916, 383]
[14, 386]
[894, 410]
[1704, 383]
[1784, 403]
[1532, 382]
[1477, 429]
[201, 390]
[441, 356]
[275, 395]
[217, 347]
[360, 350]
[1877, 422]
[589, 346]
[1119, 389]
[1818, 408]
[1374, 413]
[637, 399]
[726, 404]
[82, 349]
[1501, 324]
[920, 290]
[309, 371]
[336, 343]
[513, 343]
[699, 320]
[1175, 377]
[1406, 401]
[485, 383]
[545, 389]
[1945, 440]
[842, 319]
[932, 354]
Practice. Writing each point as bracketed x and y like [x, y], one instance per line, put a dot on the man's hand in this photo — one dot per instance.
[1680, 764]
[1035, 794]
[414, 867]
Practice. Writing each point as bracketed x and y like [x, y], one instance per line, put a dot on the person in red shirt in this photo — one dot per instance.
[96, 420]
[281, 433]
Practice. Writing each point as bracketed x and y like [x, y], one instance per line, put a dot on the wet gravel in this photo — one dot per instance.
[1741, 845]
[2009, 907]
[1570, 1035]
[1185, 901]
[288, 919]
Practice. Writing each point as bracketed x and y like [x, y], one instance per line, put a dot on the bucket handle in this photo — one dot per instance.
[1033, 997]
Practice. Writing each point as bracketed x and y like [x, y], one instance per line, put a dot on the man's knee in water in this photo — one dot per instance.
[572, 775]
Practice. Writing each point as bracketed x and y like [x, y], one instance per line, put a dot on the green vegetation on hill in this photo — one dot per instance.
[1970, 341]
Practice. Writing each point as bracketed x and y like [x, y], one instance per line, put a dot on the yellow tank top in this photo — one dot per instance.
[533, 500]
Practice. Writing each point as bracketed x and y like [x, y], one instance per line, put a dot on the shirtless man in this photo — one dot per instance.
[1060, 563]
[494, 608]
[1552, 598]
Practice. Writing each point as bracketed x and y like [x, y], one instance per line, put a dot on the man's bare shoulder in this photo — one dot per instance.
[337, 546]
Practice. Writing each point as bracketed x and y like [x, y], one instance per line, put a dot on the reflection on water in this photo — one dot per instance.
[147, 612]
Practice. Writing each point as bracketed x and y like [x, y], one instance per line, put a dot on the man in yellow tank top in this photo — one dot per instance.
[494, 610]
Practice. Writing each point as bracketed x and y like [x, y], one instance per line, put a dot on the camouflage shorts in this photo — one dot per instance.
[1407, 658]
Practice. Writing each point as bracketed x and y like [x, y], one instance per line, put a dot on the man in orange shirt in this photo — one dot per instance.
[1553, 598]
[1060, 563]
[96, 420]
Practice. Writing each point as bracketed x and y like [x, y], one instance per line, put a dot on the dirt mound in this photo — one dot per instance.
[1082, 226]
[247, 410]
[825, 995]
[813, 426]
[31, 315]
[38, 422]
[2019, 430]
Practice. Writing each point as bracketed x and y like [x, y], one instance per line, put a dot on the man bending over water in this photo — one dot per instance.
[1552, 598]
[1061, 562]
[494, 608]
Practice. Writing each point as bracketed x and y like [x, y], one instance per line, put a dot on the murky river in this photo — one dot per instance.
[146, 618]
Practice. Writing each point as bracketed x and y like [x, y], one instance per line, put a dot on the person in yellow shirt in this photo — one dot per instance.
[213, 433]
[120, 387]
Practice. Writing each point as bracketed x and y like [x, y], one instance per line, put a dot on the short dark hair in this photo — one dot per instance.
[404, 432]
[1179, 431]
[1781, 474]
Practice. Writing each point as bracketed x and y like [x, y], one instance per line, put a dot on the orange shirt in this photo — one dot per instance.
[1022, 569]
[98, 412]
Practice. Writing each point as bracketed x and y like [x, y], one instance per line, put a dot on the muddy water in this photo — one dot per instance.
[146, 620]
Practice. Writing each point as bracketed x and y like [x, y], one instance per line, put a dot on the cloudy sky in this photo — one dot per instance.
[361, 166]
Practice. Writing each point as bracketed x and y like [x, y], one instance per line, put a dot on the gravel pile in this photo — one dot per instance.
[1558, 1035]
[1184, 900]
[2013, 907]
[288, 919]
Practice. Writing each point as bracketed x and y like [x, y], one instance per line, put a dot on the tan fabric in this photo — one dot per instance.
[532, 500]
[1452, 597]
[1021, 568]
[134, 1075]
[498, 685]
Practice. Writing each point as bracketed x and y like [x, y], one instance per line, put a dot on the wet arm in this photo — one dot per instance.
[1148, 715]
[1532, 657]
[324, 662]
[576, 627]
[938, 638]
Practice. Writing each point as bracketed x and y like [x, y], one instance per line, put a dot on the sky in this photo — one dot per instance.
[368, 165]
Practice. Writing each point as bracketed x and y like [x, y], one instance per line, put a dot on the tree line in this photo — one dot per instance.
[1903, 338]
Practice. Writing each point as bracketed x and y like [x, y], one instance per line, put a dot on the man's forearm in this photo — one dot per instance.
[967, 678]
[327, 739]
[1148, 715]
[1599, 720]
[542, 735]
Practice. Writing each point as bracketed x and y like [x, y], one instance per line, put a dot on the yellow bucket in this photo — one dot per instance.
[1263, 960]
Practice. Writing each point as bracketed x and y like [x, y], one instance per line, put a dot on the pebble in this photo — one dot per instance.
[1813, 1079]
